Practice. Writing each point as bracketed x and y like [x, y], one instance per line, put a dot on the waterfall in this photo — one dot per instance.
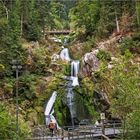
[49, 108]
[64, 54]
[71, 104]
[74, 81]
[70, 94]
[74, 68]
[74, 72]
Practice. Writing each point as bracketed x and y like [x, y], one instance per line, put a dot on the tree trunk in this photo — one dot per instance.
[21, 25]
[117, 23]
[138, 12]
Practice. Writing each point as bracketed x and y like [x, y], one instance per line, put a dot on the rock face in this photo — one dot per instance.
[90, 64]
[101, 101]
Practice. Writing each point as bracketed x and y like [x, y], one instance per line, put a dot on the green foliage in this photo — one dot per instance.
[61, 110]
[10, 47]
[89, 44]
[14, 22]
[25, 130]
[84, 102]
[121, 85]
[88, 86]
[106, 23]
[102, 55]
[132, 44]
[85, 26]
[126, 90]
[99, 17]
[8, 126]
[41, 60]
[29, 19]
[57, 11]
[65, 71]
[28, 88]
[34, 30]
[1, 67]
[133, 125]
[92, 113]
[99, 74]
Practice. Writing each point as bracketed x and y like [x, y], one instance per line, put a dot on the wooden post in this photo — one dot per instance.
[62, 133]
[68, 135]
[103, 128]
[102, 123]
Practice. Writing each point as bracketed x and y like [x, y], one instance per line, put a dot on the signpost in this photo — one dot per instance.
[102, 116]
[16, 66]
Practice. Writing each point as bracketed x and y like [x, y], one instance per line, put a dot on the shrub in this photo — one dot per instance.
[133, 125]
[102, 55]
[8, 126]
[132, 44]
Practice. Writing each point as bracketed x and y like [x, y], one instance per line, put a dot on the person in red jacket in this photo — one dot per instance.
[52, 126]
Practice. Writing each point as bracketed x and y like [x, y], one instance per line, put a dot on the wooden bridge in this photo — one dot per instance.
[58, 32]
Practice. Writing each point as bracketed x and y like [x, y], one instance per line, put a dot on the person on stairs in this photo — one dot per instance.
[52, 127]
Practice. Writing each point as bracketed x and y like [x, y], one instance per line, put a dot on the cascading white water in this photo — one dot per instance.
[74, 68]
[70, 95]
[74, 81]
[49, 108]
[74, 72]
[64, 54]
[70, 103]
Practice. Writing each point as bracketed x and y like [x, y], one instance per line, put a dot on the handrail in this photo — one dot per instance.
[78, 132]
[104, 136]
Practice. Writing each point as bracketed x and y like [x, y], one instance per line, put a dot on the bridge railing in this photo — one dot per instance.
[58, 32]
[76, 132]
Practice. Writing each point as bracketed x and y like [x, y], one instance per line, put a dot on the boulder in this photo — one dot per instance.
[90, 64]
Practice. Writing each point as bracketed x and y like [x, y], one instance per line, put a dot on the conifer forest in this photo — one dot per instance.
[69, 61]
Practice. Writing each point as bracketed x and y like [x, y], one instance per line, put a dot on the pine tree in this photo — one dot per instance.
[34, 30]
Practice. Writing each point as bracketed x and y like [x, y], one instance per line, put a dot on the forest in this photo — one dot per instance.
[104, 37]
